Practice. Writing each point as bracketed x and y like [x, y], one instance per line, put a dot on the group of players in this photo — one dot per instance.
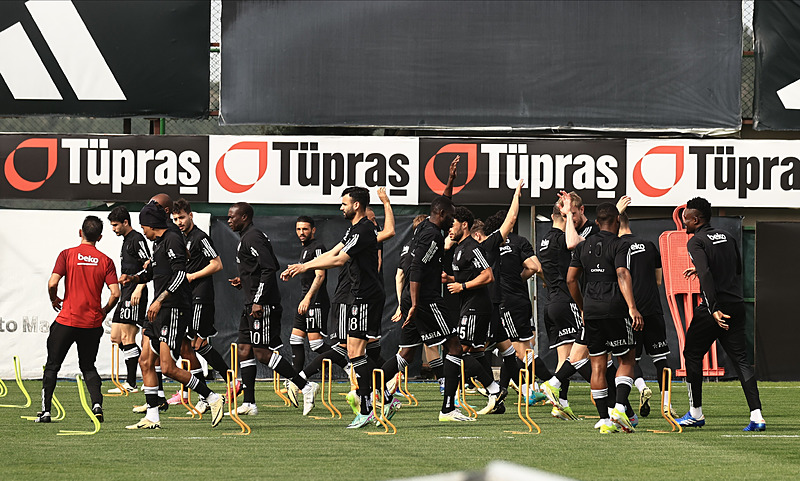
[462, 289]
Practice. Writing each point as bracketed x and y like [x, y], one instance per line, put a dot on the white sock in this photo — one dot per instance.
[307, 388]
[493, 388]
[96, 405]
[535, 386]
[640, 384]
[152, 414]
[564, 402]
[212, 398]
[755, 415]
[620, 407]
[160, 393]
[555, 382]
[696, 412]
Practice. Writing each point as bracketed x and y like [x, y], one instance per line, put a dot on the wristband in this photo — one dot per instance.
[463, 286]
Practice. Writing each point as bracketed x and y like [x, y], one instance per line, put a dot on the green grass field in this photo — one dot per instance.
[285, 445]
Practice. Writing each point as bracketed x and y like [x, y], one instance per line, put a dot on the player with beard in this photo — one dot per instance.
[364, 309]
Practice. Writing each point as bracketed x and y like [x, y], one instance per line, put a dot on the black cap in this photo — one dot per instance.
[152, 215]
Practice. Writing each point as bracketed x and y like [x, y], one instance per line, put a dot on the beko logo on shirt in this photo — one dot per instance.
[545, 244]
[717, 238]
[637, 247]
[87, 260]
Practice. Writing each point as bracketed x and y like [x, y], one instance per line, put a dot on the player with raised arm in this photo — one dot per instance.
[721, 314]
[609, 313]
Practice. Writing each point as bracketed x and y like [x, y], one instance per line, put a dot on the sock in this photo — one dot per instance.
[452, 371]
[624, 384]
[542, 372]
[637, 371]
[755, 415]
[151, 398]
[361, 366]
[640, 384]
[555, 382]
[280, 365]
[198, 373]
[199, 385]
[437, 366]
[390, 370]
[160, 383]
[696, 412]
[611, 374]
[337, 354]
[298, 352]
[484, 358]
[473, 368]
[600, 397]
[510, 363]
[214, 359]
[374, 353]
[318, 346]
[564, 395]
[131, 352]
[248, 370]
[563, 373]
[660, 364]
[584, 368]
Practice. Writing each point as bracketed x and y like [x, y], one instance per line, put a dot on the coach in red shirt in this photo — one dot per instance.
[80, 315]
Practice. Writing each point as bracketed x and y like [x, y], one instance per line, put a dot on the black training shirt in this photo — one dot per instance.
[201, 252]
[425, 252]
[167, 270]
[361, 244]
[554, 257]
[491, 247]
[258, 268]
[513, 253]
[716, 257]
[600, 255]
[311, 250]
[643, 260]
[469, 260]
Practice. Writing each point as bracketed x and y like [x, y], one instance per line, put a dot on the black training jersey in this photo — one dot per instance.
[167, 270]
[588, 228]
[361, 244]
[469, 260]
[554, 257]
[491, 246]
[425, 267]
[134, 253]
[643, 260]
[716, 257]
[513, 253]
[311, 250]
[600, 255]
[201, 252]
[258, 268]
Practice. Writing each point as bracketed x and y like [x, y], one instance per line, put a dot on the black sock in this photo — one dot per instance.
[542, 372]
[362, 368]
[600, 397]
[473, 368]
[452, 372]
[637, 371]
[584, 368]
[130, 352]
[611, 375]
[565, 371]
[214, 359]
[151, 396]
[623, 384]
[564, 389]
[511, 365]
[337, 354]
[160, 377]
[484, 358]
[390, 369]
[248, 370]
[661, 364]
[200, 386]
[437, 366]
[374, 353]
[280, 365]
[298, 352]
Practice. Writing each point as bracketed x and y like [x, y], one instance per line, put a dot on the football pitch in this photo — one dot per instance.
[285, 445]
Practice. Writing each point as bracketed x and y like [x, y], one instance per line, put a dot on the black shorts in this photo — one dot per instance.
[313, 320]
[364, 319]
[263, 333]
[497, 332]
[125, 313]
[609, 335]
[170, 327]
[429, 326]
[202, 321]
[563, 323]
[652, 338]
[338, 323]
[473, 328]
[518, 322]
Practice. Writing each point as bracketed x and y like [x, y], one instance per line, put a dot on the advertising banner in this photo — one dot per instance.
[732, 173]
[36, 237]
[611, 64]
[310, 169]
[104, 59]
[110, 168]
[776, 24]
[489, 170]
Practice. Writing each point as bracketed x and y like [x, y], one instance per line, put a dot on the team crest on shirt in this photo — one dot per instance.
[354, 311]
[256, 324]
[164, 331]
